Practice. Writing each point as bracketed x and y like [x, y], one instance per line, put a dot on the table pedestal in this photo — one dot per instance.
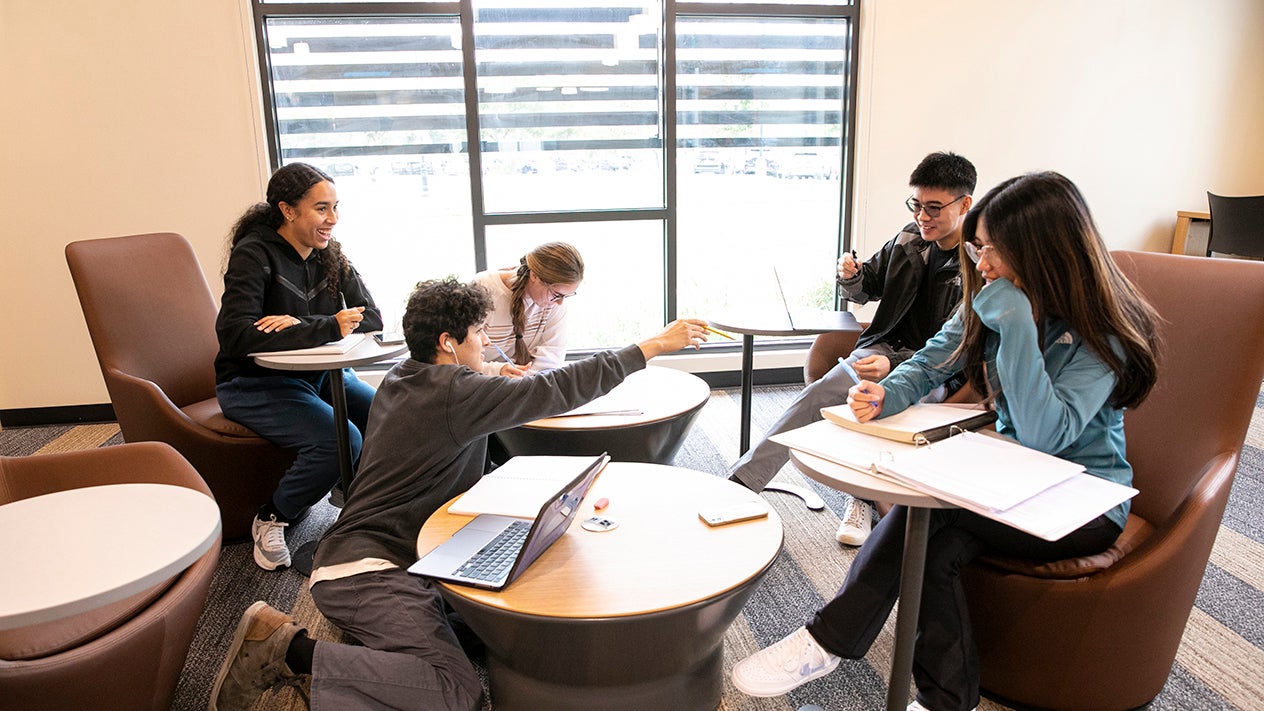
[666, 660]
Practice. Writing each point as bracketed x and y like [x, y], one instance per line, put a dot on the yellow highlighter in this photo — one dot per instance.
[719, 333]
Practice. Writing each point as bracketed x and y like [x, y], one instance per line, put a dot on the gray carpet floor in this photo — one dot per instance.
[1220, 664]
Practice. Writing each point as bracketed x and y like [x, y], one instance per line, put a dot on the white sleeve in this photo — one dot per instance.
[548, 348]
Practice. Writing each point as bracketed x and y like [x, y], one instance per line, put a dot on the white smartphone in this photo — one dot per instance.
[720, 514]
[389, 339]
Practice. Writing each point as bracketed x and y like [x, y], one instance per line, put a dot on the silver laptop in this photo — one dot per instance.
[782, 292]
[492, 551]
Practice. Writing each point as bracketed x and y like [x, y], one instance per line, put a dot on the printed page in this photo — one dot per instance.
[992, 472]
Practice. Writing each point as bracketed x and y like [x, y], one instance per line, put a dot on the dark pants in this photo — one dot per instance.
[411, 658]
[297, 414]
[945, 662]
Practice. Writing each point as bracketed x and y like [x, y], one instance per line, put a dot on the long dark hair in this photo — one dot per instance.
[289, 185]
[553, 263]
[1040, 226]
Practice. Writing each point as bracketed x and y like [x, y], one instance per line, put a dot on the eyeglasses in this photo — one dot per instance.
[932, 211]
[556, 296]
[975, 252]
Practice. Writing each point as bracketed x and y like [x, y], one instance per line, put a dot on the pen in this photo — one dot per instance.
[718, 333]
[501, 352]
[852, 372]
[342, 301]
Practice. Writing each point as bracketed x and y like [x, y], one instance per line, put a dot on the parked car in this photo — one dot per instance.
[337, 170]
[804, 164]
[709, 162]
[758, 163]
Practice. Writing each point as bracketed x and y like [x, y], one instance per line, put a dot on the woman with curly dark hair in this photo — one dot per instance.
[288, 285]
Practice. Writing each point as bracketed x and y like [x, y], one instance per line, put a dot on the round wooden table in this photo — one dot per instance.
[632, 618]
[657, 407]
[75, 550]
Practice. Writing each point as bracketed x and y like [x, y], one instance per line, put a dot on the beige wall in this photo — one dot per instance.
[143, 115]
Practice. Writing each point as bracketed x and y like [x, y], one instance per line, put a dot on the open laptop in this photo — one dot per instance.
[491, 551]
[782, 292]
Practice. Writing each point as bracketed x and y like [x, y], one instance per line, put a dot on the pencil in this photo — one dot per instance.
[718, 333]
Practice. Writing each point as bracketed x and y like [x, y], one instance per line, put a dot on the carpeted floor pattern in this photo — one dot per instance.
[1220, 664]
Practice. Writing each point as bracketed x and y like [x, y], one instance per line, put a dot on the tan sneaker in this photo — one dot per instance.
[256, 659]
[857, 522]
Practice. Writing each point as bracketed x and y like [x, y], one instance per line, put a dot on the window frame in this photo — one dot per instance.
[667, 64]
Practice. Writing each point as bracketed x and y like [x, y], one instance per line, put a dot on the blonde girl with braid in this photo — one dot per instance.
[527, 323]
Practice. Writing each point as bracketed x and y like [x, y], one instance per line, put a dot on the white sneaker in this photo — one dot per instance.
[270, 550]
[784, 666]
[917, 706]
[857, 522]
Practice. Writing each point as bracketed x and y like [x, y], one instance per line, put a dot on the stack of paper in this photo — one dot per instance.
[988, 474]
[337, 347]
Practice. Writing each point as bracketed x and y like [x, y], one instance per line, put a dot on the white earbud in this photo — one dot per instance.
[453, 350]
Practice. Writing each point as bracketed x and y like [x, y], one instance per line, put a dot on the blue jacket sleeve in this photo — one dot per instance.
[1048, 411]
[929, 368]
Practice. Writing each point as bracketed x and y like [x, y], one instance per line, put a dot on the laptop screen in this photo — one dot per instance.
[556, 515]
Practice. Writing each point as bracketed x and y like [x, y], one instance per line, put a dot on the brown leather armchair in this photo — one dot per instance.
[126, 655]
[151, 316]
[1102, 632]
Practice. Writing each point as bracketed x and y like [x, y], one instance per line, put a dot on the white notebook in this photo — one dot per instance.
[337, 347]
[519, 486]
[917, 423]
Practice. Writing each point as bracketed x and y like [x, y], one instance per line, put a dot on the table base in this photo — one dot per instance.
[665, 660]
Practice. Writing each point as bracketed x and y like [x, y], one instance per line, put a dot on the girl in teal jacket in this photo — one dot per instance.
[1060, 342]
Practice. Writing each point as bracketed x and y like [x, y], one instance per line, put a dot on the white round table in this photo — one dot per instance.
[75, 550]
[366, 352]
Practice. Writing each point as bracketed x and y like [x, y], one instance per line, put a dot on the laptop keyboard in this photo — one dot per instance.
[491, 562]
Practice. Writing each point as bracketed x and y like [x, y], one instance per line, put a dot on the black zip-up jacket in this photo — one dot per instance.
[893, 276]
[266, 277]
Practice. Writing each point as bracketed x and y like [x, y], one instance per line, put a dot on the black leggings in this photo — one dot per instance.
[945, 662]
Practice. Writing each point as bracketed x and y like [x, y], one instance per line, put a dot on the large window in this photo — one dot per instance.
[686, 149]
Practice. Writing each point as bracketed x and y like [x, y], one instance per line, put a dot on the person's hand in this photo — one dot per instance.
[349, 320]
[279, 322]
[678, 334]
[509, 370]
[865, 400]
[848, 267]
[874, 367]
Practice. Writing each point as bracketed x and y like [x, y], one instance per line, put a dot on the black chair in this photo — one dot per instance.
[1237, 226]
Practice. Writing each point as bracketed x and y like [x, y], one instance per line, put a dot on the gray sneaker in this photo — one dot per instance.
[857, 522]
[270, 550]
[256, 659]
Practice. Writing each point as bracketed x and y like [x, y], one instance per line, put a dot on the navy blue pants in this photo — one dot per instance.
[296, 414]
